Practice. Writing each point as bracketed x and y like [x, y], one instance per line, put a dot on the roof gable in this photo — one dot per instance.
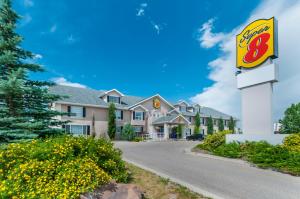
[112, 91]
[149, 98]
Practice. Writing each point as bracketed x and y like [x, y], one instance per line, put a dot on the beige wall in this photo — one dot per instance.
[153, 112]
[101, 117]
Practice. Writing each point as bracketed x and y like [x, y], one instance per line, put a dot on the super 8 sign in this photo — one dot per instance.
[256, 43]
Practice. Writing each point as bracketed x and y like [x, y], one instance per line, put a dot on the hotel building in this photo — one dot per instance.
[153, 116]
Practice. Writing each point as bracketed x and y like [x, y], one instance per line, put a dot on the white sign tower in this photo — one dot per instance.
[256, 48]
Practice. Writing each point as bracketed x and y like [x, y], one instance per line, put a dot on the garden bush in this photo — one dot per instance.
[60, 167]
[292, 142]
[128, 132]
[285, 158]
[231, 150]
[213, 141]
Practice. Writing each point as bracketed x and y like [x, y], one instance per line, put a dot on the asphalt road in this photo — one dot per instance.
[214, 177]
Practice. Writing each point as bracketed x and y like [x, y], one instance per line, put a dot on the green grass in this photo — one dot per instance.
[156, 187]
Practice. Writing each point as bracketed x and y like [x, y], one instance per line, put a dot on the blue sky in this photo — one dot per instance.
[138, 47]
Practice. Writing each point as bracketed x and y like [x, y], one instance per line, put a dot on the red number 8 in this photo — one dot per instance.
[257, 48]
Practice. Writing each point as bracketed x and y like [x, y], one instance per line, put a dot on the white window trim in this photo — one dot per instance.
[76, 116]
[117, 118]
[140, 112]
[82, 129]
[119, 99]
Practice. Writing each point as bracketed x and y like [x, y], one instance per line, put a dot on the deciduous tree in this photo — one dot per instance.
[291, 120]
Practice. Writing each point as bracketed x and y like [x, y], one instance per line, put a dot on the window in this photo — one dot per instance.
[76, 111]
[225, 122]
[113, 99]
[77, 129]
[203, 131]
[119, 129]
[190, 119]
[160, 129]
[190, 109]
[138, 115]
[203, 121]
[119, 114]
[182, 108]
[138, 129]
[215, 122]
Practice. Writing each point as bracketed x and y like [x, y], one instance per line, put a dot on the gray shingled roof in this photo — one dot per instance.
[88, 96]
[165, 119]
[207, 112]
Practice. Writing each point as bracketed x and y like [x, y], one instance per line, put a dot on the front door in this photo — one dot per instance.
[173, 134]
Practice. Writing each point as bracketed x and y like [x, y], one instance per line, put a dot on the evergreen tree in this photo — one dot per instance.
[221, 124]
[197, 124]
[24, 103]
[231, 125]
[179, 130]
[111, 121]
[210, 125]
[291, 120]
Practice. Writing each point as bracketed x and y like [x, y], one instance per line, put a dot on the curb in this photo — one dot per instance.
[175, 180]
[203, 155]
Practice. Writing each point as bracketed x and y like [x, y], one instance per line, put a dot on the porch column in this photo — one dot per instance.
[166, 131]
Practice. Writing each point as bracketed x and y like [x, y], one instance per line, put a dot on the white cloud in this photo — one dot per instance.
[63, 81]
[209, 39]
[141, 9]
[223, 94]
[28, 3]
[53, 28]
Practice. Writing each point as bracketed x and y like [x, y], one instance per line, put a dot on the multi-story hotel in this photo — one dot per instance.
[152, 116]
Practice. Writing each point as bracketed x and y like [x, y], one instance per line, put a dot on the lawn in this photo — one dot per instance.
[156, 187]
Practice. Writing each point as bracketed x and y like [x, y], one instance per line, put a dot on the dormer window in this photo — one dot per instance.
[190, 109]
[182, 108]
[113, 99]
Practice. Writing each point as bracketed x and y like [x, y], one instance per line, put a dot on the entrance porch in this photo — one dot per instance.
[169, 129]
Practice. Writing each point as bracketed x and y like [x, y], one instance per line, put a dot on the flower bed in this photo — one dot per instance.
[61, 167]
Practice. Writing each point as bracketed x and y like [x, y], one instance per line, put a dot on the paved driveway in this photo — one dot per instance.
[215, 177]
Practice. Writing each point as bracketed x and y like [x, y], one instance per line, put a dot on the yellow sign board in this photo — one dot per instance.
[156, 103]
[256, 43]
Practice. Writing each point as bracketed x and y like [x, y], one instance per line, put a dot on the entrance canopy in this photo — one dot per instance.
[172, 119]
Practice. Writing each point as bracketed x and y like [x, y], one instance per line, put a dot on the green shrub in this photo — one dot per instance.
[60, 167]
[231, 150]
[263, 153]
[285, 158]
[128, 132]
[268, 156]
[138, 139]
[292, 142]
[213, 141]
[179, 131]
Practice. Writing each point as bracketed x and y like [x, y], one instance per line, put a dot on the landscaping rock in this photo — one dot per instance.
[115, 191]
